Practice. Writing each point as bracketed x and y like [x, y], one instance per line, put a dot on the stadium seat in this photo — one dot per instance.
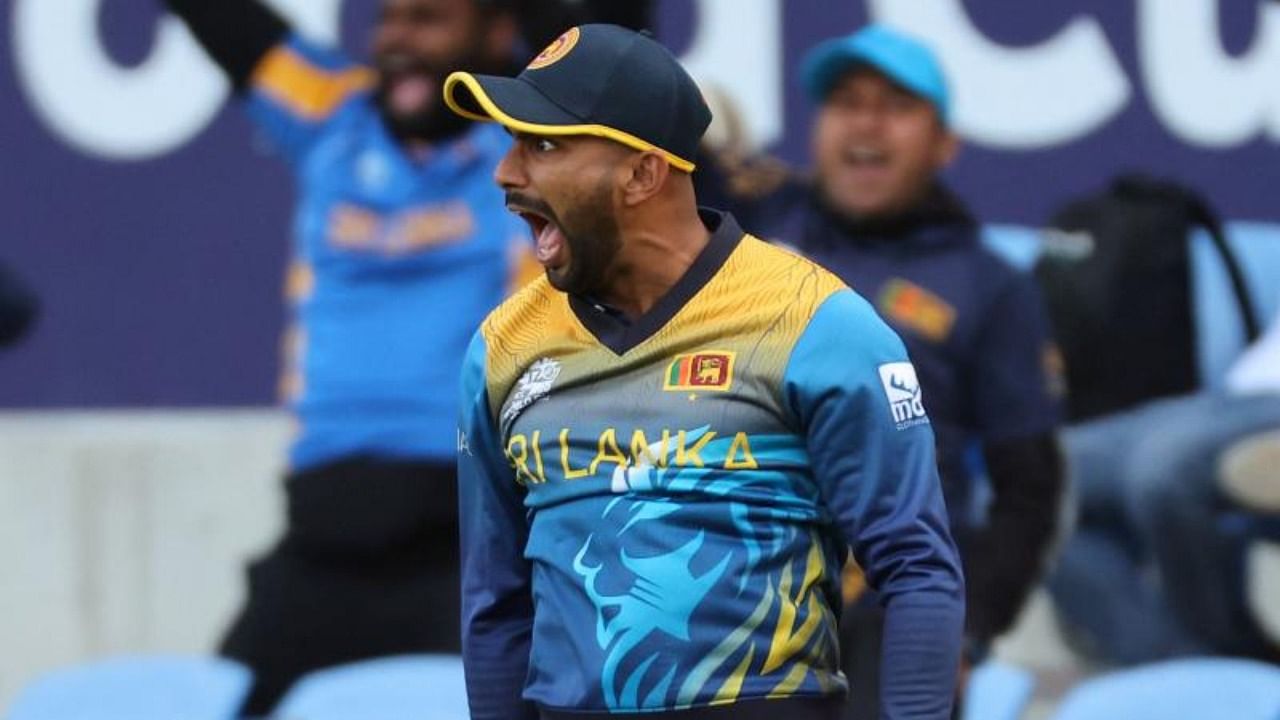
[393, 688]
[1192, 689]
[1220, 331]
[997, 691]
[137, 688]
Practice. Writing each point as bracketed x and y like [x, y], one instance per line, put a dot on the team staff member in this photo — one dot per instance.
[401, 247]
[668, 442]
[878, 216]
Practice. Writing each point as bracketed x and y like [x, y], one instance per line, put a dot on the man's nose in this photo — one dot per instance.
[391, 33]
[510, 171]
[867, 118]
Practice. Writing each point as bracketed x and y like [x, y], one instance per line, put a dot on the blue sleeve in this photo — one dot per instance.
[297, 89]
[497, 602]
[1018, 383]
[854, 392]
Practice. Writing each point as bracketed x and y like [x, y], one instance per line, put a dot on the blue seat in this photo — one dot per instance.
[394, 688]
[997, 691]
[1192, 689]
[1221, 333]
[137, 688]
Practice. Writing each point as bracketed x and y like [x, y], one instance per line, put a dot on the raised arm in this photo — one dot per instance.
[292, 88]
[237, 34]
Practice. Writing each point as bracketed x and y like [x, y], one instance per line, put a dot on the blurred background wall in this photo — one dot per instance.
[156, 237]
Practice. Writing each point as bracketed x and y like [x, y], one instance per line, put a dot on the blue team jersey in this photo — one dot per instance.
[395, 261]
[655, 515]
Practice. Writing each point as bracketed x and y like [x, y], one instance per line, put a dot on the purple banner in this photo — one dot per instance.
[135, 200]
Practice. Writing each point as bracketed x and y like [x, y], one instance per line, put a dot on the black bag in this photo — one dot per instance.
[1116, 279]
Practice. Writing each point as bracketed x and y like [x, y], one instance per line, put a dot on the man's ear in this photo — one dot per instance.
[947, 149]
[647, 176]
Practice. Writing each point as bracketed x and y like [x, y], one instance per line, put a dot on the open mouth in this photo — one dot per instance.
[866, 158]
[409, 88]
[411, 94]
[549, 240]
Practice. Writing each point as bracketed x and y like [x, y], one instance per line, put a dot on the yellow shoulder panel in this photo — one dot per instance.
[755, 307]
[764, 296]
[534, 322]
[307, 91]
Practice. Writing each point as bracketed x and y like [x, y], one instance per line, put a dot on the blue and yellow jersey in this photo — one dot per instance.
[395, 261]
[655, 513]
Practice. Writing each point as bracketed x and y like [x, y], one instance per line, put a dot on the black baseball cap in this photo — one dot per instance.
[601, 80]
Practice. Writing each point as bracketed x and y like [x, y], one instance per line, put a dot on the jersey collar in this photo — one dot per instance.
[616, 331]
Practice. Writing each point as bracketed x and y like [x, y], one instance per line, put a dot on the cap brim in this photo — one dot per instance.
[520, 106]
[510, 101]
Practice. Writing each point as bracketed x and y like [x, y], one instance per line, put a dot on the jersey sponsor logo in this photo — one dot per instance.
[427, 227]
[903, 391]
[355, 228]
[711, 370]
[556, 51]
[907, 305]
[532, 386]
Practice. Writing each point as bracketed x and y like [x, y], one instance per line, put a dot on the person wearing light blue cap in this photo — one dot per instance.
[883, 126]
[877, 214]
[901, 58]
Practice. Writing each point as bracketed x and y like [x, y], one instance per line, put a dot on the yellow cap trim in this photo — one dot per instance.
[497, 115]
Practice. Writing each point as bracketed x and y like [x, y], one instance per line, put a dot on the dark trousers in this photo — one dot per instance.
[367, 567]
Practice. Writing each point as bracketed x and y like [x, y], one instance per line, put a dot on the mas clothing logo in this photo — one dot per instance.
[712, 370]
[556, 50]
[903, 391]
[532, 386]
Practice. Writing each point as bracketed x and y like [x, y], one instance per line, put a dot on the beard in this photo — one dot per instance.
[591, 232]
[591, 236]
[432, 121]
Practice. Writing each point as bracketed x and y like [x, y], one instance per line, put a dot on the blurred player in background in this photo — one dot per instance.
[878, 215]
[401, 245]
